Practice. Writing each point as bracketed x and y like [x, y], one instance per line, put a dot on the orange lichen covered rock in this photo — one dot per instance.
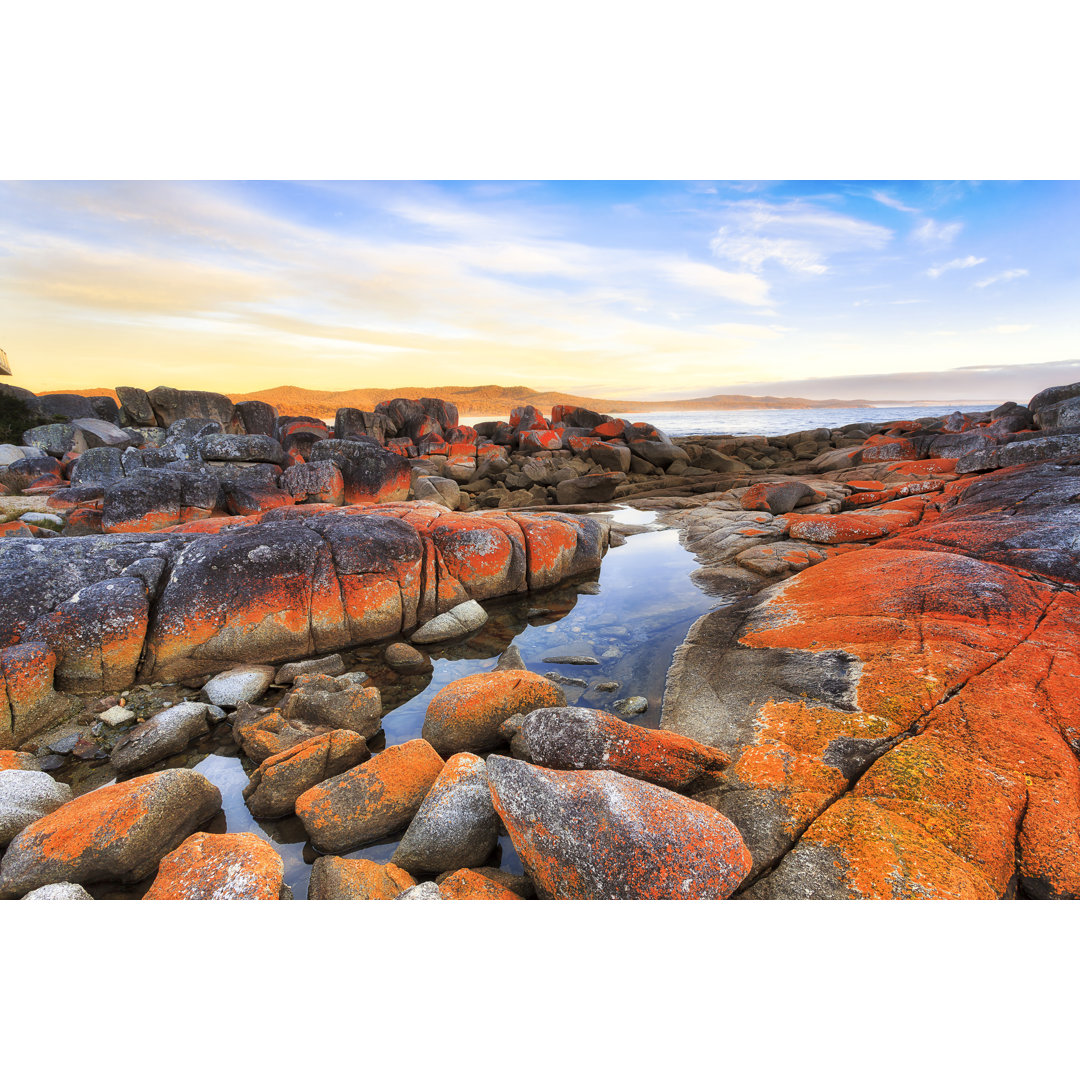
[28, 701]
[115, 833]
[468, 714]
[262, 735]
[13, 759]
[850, 527]
[333, 878]
[571, 738]
[220, 866]
[469, 885]
[280, 780]
[603, 836]
[372, 800]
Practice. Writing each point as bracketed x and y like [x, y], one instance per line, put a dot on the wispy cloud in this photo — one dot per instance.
[796, 235]
[1011, 328]
[997, 279]
[742, 288]
[936, 234]
[892, 202]
[955, 264]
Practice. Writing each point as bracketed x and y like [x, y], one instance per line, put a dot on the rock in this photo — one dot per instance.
[1063, 449]
[114, 833]
[370, 474]
[315, 482]
[116, 716]
[427, 890]
[323, 665]
[101, 433]
[614, 457]
[241, 448]
[261, 734]
[28, 700]
[590, 488]
[456, 825]
[372, 800]
[335, 703]
[171, 405]
[631, 706]
[215, 866]
[469, 885]
[25, 796]
[459, 620]
[353, 423]
[333, 878]
[468, 713]
[246, 683]
[404, 658]
[62, 890]
[257, 417]
[775, 498]
[14, 759]
[280, 780]
[511, 660]
[136, 406]
[604, 836]
[580, 660]
[518, 884]
[102, 466]
[571, 738]
[166, 733]
[56, 439]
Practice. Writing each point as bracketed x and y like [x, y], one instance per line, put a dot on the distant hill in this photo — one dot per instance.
[499, 400]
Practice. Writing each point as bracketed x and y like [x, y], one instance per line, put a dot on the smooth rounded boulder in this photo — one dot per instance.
[572, 738]
[372, 800]
[115, 833]
[469, 713]
[162, 735]
[456, 825]
[604, 836]
[25, 796]
[220, 866]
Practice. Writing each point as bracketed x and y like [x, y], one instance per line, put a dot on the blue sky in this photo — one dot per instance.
[624, 288]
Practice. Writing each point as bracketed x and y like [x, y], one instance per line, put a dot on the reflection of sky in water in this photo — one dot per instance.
[643, 610]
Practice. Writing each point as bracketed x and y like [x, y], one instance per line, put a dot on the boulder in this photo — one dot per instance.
[426, 890]
[611, 456]
[256, 418]
[354, 423]
[143, 502]
[97, 433]
[164, 734]
[775, 498]
[468, 714]
[170, 405]
[246, 683]
[280, 780]
[68, 406]
[136, 406]
[114, 833]
[220, 866]
[458, 621]
[323, 665]
[56, 439]
[572, 738]
[28, 699]
[456, 825]
[590, 488]
[25, 796]
[335, 703]
[604, 836]
[469, 885]
[369, 473]
[62, 890]
[262, 734]
[254, 448]
[372, 800]
[16, 759]
[315, 482]
[103, 465]
[404, 658]
[333, 878]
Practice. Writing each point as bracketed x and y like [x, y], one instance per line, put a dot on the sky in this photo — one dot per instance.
[646, 290]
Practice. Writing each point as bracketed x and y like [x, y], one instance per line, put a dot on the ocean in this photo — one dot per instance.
[775, 421]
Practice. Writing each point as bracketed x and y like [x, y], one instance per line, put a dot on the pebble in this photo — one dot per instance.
[570, 660]
[631, 706]
[554, 676]
[607, 687]
[116, 715]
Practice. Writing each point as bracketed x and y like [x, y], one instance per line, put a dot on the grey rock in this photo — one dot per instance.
[456, 825]
[245, 683]
[631, 706]
[167, 733]
[426, 890]
[117, 715]
[403, 657]
[99, 432]
[323, 665]
[459, 620]
[60, 890]
[511, 660]
[582, 660]
[25, 796]
[102, 465]
[56, 439]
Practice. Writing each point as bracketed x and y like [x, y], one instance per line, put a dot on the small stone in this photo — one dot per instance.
[581, 660]
[64, 745]
[607, 687]
[51, 762]
[116, 716]
[566, 680]
[631, 706]
[456, 622]
[428, 890]
[215, 712]
[246, 683]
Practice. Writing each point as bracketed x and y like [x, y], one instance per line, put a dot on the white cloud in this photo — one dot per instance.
[892, 202]
[1005, 275]
[797, 235]
[743, 288]
[936, 234]
[1011, 328]
[955, 264]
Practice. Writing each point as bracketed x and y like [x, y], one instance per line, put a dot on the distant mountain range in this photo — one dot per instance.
[499, 400]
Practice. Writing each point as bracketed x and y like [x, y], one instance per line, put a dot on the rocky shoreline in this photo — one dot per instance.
[883, 709]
